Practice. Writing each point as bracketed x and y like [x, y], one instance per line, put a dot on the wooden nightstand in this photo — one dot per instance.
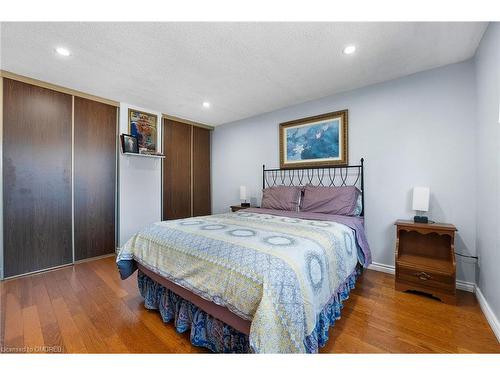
[425, 259]
[239, 207]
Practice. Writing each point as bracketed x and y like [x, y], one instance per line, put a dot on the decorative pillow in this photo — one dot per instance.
[284, 198]
[359, 206]
[333, 200]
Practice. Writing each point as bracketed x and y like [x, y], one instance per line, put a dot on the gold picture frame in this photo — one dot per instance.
[143, 126]
[316, 141]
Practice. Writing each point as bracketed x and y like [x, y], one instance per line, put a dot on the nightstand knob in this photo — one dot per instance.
[423, 276]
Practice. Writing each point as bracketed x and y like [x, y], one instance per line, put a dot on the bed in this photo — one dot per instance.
[257, 280]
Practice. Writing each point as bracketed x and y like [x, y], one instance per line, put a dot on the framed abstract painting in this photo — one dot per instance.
[314, 141]
[143, 126]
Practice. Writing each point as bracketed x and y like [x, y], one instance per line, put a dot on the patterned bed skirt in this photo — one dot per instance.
[211, 333]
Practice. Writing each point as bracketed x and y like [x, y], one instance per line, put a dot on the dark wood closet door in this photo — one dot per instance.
[94, 178]
[201, 172]
[176, 170]
[36, 178]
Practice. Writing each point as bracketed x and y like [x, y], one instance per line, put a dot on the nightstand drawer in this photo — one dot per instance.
[426, 278]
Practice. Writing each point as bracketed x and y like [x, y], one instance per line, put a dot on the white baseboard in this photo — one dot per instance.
[466, 285]
[387, 268]
[488, 313]
[382, 268]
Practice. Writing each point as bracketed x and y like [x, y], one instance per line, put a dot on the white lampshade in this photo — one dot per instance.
[421, 198]
[243, 193]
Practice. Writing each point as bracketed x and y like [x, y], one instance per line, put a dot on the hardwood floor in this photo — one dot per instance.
[87, 308]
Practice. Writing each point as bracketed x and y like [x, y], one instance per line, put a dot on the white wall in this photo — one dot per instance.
[1, 175]
[488, 166]
[139, 185]
[417, 130]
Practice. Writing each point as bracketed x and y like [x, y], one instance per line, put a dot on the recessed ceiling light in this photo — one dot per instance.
[63, 51]
[206, 105]
[349, 49]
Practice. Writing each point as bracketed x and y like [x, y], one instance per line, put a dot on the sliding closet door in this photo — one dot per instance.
[36, 178]
[176, 170]
[94, 178]
[201, 172]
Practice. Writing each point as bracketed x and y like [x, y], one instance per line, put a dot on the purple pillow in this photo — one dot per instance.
[332, 200]
[284, 198]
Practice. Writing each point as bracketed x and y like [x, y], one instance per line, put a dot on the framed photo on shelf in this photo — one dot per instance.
[143, 126]
[314, 141]
[129, 144]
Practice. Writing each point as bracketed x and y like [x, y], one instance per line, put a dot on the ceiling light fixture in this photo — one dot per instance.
[63, 51]
[206, 105]
[349, 49]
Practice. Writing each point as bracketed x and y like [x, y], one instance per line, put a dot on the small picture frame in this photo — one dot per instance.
[129, 144]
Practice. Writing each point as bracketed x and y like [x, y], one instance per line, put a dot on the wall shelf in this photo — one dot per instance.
[144, 155]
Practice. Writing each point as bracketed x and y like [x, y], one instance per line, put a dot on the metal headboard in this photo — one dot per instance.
[342, 175]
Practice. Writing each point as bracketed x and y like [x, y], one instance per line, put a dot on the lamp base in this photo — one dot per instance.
[421, 219]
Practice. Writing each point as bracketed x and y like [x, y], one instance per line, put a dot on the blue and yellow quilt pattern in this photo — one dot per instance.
[276, 271]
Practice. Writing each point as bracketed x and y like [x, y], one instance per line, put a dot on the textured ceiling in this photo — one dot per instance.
[242, 69]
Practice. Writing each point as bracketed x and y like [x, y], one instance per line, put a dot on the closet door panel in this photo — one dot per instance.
[176, 170]
[36, 178]
[94, 178]
[201, 172]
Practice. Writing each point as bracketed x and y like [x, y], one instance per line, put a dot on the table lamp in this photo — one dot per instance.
[421, 203]
[243, 196]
